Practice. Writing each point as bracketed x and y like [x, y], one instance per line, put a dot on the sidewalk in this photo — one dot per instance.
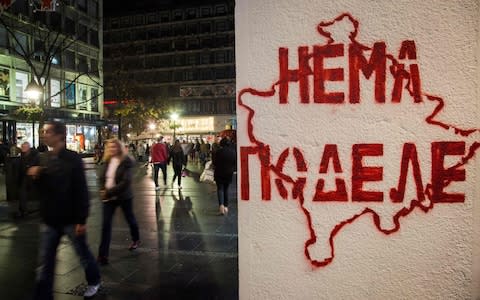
[187, 251]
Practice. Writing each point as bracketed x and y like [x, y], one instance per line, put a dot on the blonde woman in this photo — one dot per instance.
[116, 190]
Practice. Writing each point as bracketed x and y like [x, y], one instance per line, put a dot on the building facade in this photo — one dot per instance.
[67, 41]
[183, 56]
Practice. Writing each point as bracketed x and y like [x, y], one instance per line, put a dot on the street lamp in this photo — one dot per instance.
[33, 91]
[174, 118]
[152, 127]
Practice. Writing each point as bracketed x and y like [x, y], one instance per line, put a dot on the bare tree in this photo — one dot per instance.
[49, 44]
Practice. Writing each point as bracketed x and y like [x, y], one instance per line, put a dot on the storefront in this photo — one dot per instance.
[27, 132]
[82, 138]
[207, 128]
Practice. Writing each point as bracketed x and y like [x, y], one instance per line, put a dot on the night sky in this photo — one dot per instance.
[122, 6]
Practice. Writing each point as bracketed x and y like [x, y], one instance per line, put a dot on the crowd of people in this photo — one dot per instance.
[55, 176]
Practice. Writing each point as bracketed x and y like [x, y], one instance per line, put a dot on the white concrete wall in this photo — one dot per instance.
[359, 250]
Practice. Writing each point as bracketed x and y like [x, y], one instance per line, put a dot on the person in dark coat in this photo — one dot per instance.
[64, 203]
[28, 157]
[115, 181]
[179, 161]
[224, 161]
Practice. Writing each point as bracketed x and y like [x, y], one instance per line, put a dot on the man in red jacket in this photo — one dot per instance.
[159, 158]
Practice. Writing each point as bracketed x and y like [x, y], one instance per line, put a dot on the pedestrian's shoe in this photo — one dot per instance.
[91, 290]
[222, 209]
[134, 245]
[157, 188]
[225, 210]
[102, 260]
[179, 187]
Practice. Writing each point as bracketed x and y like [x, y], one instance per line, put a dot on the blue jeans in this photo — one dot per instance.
[108, 211]
[157, 166]
[222, 193]
[50, 238]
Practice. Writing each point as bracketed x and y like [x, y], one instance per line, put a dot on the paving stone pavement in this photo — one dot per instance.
[188, 251]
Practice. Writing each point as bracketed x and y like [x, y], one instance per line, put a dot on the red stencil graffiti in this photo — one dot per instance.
[346, 141]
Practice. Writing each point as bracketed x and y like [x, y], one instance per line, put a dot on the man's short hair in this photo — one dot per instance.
[160, 139]
[58, 128]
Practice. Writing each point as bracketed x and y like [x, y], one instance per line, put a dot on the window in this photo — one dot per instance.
[221, 41]
[38, 49]
[191, 13]
[82, 97]
[94, 100]
[126, 35]
[220, 57]
[94, 38]
[94, 66]
[178, 45]
[139, 20]
[69, 60]
[165, 32]
[162, 76]
[139, 49]
[21, 81]
[82, 5]
[125, 22]
[82, 33]
[178, 76]
[192, 28]
[179, 60]
[114, 24]
[69, 26]
[177, 15]
[3, 37]
[205, 27]
[153, 34]
[56, 22]
[206, 12]
[230, 56]
[164, 17]
[207, 43]
[55, 93]
[139, 35]
[4, 83]
[70, 94]
[220, 73]
[151, 18]
[220, 10]
[205, 58]
[179, 29]
[193, 44]
[189, 75]
[20, 44]
[191, 59]
[92, 9]
[20, 6]
[221, 26]
[206, 74]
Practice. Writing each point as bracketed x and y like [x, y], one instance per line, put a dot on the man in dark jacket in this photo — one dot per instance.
[225, 161]
[64, 205]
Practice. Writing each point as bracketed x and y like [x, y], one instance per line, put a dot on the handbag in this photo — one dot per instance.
[207, 176]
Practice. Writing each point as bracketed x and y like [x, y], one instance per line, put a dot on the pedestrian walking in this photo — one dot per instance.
[204, 152]
[64, 205]
[159, 159]
[28, 158]
[115, 181]
[140, 151]
[178, 160]
[224, 162]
